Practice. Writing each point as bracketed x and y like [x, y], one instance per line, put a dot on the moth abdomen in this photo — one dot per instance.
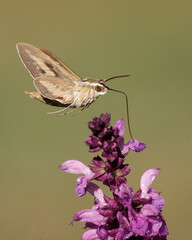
[39, 97]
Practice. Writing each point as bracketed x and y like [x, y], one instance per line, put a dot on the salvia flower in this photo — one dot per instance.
[125, 215]
[110, 140]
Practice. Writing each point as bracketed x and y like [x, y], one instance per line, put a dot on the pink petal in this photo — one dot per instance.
[96, 192]
[90, 234]
[77, 167]
[146, 180]
[90, 216]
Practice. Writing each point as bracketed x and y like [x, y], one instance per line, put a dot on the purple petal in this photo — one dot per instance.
[149, 210]
[124, 232]
[157, 200]
[134, 145]
[105, 118]
[121, 126]
[77, 167]
[155, 225]
[163, 231]
[123, 171]
[110, 156]
[97, 161]
[157, 228]
[94, 143]
[102, 233]
[98, 124]
[123, 222]
[139, 225]
[125, 149]
[88, 215]
[81, 186]
[125, 195]
[146, 180]
[98, 172]
[120, 180]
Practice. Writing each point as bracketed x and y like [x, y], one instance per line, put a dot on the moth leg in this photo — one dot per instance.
[70, 106]
[88, 103]
[59, 110]
[62, 114]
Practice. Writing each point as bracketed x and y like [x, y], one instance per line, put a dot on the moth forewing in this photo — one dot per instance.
[42, 62]
[68, 71]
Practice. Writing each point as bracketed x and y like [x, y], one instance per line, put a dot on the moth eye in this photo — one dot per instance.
[98, 88]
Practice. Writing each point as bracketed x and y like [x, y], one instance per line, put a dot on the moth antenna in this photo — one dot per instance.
[126, 97]
[63, 109]
[120, 76]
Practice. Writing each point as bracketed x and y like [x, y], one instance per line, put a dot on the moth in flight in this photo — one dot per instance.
[57, 84]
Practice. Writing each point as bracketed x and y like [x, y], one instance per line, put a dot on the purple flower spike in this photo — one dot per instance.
[124, 216]
[110, 140]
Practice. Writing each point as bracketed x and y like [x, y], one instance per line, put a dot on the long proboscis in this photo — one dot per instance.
[127, 108]
[126, 97]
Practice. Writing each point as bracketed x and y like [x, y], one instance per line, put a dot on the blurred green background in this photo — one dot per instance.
[151, 40]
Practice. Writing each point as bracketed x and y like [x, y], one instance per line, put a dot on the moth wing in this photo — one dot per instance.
[62, 64]
[40, 62]
[55, 89]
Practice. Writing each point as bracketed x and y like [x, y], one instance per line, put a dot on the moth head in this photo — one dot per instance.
[100, 88]
[97, 85]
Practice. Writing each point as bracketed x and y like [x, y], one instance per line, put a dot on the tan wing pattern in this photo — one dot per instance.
[43, 63]
[55, 89]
